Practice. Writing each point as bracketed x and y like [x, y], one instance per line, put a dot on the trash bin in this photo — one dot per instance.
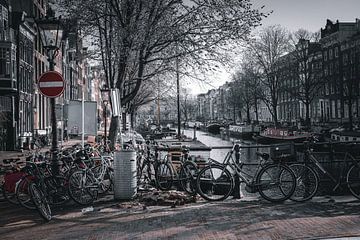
[125, 179]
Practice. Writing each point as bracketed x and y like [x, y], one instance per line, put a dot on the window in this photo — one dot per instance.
[325, 55]
[330, 54]
[336, 52]
[345, 59]
[326, 71]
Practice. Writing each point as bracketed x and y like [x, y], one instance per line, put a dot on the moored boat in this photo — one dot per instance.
[276, 135]
[243, 131]
[214, 128]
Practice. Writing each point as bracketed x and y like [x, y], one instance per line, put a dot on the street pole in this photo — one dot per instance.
[178, 96]
[54, 142]
[82, 117]
[105, 119]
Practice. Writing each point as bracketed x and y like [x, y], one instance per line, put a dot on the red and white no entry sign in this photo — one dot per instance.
[51, 84]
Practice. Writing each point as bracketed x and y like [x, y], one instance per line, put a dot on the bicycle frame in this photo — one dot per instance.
[247, 178]
[338, 181]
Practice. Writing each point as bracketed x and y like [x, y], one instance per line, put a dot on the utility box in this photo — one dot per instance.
[125, 179]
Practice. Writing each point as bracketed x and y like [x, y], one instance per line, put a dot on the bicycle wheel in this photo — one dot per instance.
[79, 188]
[40, 201]
[214, 183]
[188, 175]
[307, 182]
[106, 182]
[23, 194]
[353, 180]
[146, 174]
[57, 190]
[164, 176]
[276, 182]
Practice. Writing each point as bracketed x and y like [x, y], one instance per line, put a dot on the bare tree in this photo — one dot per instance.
[307, 69]
[234, 97]
[137, 39]
[267, 48]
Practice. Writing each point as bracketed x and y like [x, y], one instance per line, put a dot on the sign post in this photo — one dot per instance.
[51, 84]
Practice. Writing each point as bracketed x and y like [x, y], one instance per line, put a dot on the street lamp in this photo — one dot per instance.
[50, 32]
[105, 97]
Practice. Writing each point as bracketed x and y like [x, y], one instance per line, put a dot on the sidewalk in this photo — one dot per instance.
[22, 155]
[249, 218]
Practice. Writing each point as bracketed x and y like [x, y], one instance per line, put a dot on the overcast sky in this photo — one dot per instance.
[293, 15]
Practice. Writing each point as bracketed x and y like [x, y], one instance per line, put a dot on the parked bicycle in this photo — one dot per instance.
[95, 178]
[274, 181]
[146, 162]
[307, 176]
[166, 174]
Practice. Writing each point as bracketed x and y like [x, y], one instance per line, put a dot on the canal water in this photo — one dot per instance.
[248, 155]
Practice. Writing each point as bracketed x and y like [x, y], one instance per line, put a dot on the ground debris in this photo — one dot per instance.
[169, 198]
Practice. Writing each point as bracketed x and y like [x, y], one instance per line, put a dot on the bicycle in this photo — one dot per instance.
[275, 181]
[11, 171]
[166, 174]
[146, 162]
[85, 184]
[307, 176]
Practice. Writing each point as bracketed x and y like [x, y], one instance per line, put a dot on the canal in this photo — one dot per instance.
[248, 155]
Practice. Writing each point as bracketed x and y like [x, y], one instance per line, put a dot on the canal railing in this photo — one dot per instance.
[331, 155]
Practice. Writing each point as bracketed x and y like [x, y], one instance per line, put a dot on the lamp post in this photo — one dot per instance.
[105, 97]
[50, 32]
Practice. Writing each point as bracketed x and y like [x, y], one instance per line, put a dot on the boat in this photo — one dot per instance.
[243, 131]
[214, 128]
[276, 135]
[345, 136]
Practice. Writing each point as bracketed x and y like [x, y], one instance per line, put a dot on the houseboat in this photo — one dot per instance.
[345, 136]
[243, 131]
[276, 135]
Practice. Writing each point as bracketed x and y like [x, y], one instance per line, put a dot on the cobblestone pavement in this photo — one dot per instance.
[248, 218]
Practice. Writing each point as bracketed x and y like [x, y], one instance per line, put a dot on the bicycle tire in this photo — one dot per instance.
[164, 176]
[307, 182]
[57, 190]
[214, 183]
[268, 186]
[107, 181]
[353, 180]
[23, 194]
[188, 175]
[40, 201]
[146, 174]
[78, 190]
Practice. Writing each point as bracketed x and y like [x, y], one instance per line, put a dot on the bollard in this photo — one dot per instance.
[125, 179]
[236, 192]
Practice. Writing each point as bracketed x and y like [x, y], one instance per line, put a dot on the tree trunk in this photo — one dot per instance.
[124, 122]
[276, 123]
[248, 118]
[350, 103]
[132, 119]
[234, 113]
[114, 127]
[256, 111]
[307, 114]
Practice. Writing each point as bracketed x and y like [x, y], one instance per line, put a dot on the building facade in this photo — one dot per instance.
[24, 112]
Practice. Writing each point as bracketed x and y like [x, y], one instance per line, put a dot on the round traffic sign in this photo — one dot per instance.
[51, 84]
